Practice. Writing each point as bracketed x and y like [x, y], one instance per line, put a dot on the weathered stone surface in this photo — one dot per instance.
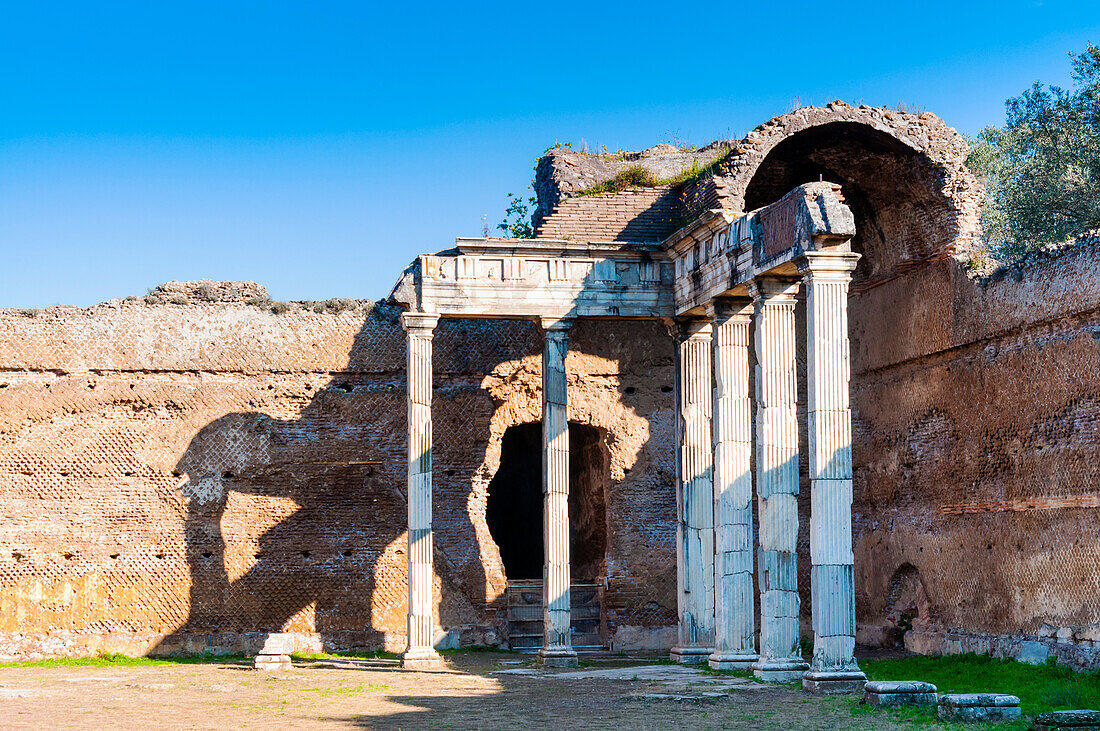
[890, 693]
[272, 662]
[278, 643]
[1082, 720]
[899, 686]
[979, 707]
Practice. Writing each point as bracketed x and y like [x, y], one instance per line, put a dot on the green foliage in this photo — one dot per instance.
[639, 177]
[114, 659]
[1042, 169]
[633, 177]
[517, 217]
[1046, 687]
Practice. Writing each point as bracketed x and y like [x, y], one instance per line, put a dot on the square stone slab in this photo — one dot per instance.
[890, 693]
[272, 662]
[1083, 720]
[979, 707]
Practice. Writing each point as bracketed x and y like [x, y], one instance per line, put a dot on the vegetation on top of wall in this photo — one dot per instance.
[1042, 169]
[639, 177]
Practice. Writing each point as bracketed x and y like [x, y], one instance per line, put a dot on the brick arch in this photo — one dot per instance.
[903, 175]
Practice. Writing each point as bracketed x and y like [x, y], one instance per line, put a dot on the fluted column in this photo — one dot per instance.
[828, 354]
[695, 507]
[557, 647]
[420, 652]
[777, 478]
[734, 597]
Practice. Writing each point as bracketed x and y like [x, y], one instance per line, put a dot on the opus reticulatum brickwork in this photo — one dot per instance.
[191, 471]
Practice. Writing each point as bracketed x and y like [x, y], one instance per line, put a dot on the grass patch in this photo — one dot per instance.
[344, 690]
[1040, 688]
[344, 654]
[476, 648]
[114, 659]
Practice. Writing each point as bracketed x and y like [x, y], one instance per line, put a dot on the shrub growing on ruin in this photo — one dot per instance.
[1042, 169]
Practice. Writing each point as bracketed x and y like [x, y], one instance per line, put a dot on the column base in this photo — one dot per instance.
[558, 657]
[271, 662]
[690, 655]
[732, 661]
[423, 658]
[826, 682]
[779, 671]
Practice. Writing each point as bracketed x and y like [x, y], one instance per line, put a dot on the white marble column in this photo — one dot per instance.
[420, 653]
[777, 478]
[695, 507]
[557, 647]
[828, 354]
[734, 595]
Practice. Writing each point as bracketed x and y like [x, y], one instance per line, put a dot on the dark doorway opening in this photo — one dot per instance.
[514, 509]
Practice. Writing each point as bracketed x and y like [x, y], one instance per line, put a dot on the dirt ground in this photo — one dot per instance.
[477, 690]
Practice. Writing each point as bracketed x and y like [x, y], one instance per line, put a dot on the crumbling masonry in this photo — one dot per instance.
[774, 403]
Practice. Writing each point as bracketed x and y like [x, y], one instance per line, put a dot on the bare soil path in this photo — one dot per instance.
[477, 690]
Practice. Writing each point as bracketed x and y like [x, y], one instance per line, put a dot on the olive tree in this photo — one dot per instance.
[1042, 169]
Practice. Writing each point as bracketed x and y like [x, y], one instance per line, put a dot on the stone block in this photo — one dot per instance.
[979, 708]
[277, 643]
[825, 682]
[893, 693]
[1032, 652]
[272, 662]
[1083, 720]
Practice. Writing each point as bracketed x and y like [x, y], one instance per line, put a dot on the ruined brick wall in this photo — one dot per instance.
[181, 477]
[636, 214]
[977, 426]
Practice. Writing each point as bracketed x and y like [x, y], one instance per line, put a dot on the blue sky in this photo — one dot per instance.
[317, 147]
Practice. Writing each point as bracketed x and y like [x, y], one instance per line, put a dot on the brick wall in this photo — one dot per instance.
[183, 477]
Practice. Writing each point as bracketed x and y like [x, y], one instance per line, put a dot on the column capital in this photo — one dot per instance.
[721, 309]
[777, 289]
[699, 328]
[828, 265]
[556, 324]
[420, 323]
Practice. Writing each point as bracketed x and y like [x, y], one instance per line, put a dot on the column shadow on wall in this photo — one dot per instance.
[330, 487]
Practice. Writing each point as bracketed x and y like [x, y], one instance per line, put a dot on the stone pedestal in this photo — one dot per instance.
[979, 708]
[275, 653]
[777, 478]
[1082, 720]
[557, 648]
[734, 595]
[829, 416]
[420, 653]
[695, 504]
[894, 693]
